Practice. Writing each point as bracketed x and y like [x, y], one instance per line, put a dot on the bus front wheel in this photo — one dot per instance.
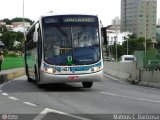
[29, 79]
[40, 85]
[87, 84]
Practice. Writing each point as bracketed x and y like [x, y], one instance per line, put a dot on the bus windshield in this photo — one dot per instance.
[70, 44]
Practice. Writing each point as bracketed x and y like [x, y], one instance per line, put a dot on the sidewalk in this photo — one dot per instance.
[6, 75]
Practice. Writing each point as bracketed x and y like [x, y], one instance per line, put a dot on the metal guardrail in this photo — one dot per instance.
[149, 60]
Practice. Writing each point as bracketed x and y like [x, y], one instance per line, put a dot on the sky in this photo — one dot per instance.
[33, 9]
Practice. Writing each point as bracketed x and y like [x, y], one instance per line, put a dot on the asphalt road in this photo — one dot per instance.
[111, 99]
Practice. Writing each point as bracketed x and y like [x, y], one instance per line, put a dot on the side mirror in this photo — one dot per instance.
[35, 36]
[104, 35]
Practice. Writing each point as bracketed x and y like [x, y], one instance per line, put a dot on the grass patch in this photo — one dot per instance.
[12, 62]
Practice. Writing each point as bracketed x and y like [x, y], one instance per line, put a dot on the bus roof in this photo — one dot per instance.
[56, 14]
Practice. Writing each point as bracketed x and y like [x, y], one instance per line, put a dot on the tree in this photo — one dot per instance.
[157, 46]
[17, 19]
[8, 21]
[9, 37]
[134, 44]
[3, 28]
[120, 50]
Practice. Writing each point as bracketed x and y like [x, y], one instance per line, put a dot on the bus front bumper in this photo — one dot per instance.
[46, 78]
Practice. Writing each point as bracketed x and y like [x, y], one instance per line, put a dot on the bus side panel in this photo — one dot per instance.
[31, 63]
[31, 52]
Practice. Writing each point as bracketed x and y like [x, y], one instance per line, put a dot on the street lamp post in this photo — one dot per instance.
[127, 43]
[145, 37]
[127, 46]
[115, 38]
[145, 47]
[112, 43]
[23, 21]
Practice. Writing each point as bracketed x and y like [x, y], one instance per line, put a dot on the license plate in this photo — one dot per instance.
[73, 77]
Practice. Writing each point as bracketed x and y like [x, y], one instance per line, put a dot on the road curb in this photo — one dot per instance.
[140, 83]
[149, 84]
[12, 75]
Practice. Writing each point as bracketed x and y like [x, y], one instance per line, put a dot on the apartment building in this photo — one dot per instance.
[139, 17]
[159, 22]
[116, 21]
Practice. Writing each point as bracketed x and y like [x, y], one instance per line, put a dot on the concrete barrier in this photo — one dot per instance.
[126, 71]
[129, 72]
[11, 74]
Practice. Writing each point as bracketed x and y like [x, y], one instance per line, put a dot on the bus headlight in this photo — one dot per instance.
[96, 69]
[49, 70]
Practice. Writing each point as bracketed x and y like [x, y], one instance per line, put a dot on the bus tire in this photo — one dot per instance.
[87, 84]
[29, 79]
[40, 85]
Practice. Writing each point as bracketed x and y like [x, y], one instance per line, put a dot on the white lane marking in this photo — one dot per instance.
[114, 78]
[47, 110]
[4, 94]
[13, 98]
[5, 83]
[28, 103]
[9, 82]
[135, 98]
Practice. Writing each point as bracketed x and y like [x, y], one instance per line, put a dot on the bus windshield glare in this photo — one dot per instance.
[71, 40]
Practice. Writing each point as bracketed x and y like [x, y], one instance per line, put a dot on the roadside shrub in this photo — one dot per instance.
[12, 54]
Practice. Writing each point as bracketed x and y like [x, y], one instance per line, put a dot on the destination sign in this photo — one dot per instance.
[79, 19]
[67, 20]
[51, 20]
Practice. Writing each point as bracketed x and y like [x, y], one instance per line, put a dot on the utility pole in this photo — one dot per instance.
[126, 39]
[145, 34]
[116, 39]
[127, 46]
[116, 46]
[145, 46]
[23, 20]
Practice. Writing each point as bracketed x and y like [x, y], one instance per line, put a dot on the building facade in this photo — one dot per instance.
[116, 21]
[158, 34]
[20, 26]
[2, 23]
[139, 17]
[159, 21]
[115, 36]
[17, 24]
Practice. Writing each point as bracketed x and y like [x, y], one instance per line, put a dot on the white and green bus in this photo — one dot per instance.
[64, 48]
